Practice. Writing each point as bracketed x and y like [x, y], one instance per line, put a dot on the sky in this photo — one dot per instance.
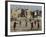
[33, 8]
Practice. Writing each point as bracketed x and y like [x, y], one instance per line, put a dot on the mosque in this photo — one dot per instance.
[23, 20]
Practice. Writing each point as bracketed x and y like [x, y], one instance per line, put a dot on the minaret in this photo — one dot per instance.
[29, 13]
[16, 12]
[19, 12]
